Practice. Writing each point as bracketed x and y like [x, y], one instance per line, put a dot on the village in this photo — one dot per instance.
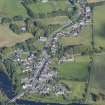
[55, 52]
[39, 77]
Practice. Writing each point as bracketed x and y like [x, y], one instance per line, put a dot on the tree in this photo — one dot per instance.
[14, 27]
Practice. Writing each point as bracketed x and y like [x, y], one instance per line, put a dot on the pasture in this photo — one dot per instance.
[8, 38]
[77, 70]
[11, 8]
[99, 25]
[49, 6]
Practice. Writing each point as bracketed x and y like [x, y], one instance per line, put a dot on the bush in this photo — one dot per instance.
[15, 28]
[17, 18]
[6, 20]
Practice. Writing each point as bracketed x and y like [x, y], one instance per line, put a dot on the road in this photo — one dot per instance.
[16, 97]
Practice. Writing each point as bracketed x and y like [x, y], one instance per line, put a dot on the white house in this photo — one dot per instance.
[43, 39]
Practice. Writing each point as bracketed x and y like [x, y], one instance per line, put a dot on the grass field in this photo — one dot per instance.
[76, 87]
[48, 6]
[74, 70]
[54, 20]
[99, 25]
[11, 8]
[98, 81]
[8, 38]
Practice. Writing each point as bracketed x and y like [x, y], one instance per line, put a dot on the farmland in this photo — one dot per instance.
[11, 8]
[54, 20]
[48, 6]
[70, 70]
[8, 38]
[99, 23]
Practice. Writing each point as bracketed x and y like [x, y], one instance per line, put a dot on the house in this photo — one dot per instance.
[43, 39]
[23, 29]
[88, 9]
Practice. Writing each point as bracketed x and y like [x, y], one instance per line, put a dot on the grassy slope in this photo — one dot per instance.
[8, 38]
[11, 8]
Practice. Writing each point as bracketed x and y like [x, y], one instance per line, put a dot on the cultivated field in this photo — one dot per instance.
[8, 38]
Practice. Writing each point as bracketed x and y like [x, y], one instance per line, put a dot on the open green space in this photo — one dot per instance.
[99, 25]
[77, 89]
[54, 20]
[49, 6]
[99, 72]
[77, 70]
[11, 8]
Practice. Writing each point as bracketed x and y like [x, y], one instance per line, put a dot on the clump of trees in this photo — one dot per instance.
[15, 28]
[18, 18]
[6, 20]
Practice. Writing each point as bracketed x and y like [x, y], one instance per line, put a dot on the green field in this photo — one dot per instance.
[74, 70]
[76, 87]
[48, 7]
[99, 25]
[11, 8]
[54, 20]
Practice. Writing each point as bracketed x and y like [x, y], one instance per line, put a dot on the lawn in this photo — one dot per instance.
[74, 70]
[11, 8]
[8, 38]
[47, 7]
